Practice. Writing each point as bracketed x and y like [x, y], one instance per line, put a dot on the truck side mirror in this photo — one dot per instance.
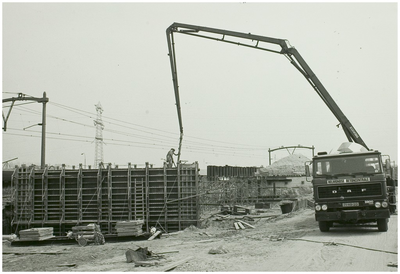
[307, 170]
[388, 164]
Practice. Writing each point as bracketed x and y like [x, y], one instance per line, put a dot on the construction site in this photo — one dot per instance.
[111, 205]
[175, 216]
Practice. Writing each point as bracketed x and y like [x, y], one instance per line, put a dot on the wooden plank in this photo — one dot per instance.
[146, 263]
[171, 251]
[241, 226]
[66, 265]
[236, 226]
[34, 252]
[246, 224]
[154, 235]
[173, 265]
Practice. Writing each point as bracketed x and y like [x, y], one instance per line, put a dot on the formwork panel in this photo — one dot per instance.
[163, 197]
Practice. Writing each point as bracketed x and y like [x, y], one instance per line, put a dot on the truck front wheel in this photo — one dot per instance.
[323, 226]
[383, 225]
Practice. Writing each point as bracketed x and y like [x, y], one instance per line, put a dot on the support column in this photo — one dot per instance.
[196, 176]
[31, 196]
[99, 195]
[179, 194]
[45, 193]
[62, 198]
[14, 196]
[146, 186]
[129, 193]
[109, 187]
[79, 198]
[165, 197]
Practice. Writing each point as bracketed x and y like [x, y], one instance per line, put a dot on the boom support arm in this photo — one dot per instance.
[256, 42]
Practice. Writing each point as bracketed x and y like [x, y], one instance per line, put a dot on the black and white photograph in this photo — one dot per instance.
[184, 136]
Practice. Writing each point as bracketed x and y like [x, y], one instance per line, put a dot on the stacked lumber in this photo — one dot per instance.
[129, 228]
[36, 234]
[240, 225]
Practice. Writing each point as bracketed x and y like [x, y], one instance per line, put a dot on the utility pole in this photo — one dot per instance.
[43, 100]
[43, 159]
[99, 136]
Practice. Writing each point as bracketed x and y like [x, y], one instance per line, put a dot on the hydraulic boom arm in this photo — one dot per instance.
[256, 42]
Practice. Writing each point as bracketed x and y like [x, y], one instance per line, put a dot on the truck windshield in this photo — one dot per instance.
[362, 164]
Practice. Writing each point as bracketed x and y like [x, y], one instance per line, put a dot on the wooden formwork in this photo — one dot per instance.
[163, 197]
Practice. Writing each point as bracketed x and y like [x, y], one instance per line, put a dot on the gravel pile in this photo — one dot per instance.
[292, 165]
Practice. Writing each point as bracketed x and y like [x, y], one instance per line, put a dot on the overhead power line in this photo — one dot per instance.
[162, 138]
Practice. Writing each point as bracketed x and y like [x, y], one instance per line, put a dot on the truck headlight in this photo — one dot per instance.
[324, 207]
[377, 204]
[317, 207]
[384, 204]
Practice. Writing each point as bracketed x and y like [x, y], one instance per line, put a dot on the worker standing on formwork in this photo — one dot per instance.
[170, 158]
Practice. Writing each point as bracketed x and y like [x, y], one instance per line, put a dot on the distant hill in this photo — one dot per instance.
[292, 165]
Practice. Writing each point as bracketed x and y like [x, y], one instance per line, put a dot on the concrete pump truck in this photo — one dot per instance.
[351, 185]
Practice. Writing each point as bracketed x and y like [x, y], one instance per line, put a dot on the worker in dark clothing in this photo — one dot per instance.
[170, 157]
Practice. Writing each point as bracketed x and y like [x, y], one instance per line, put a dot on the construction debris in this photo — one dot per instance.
[262, 205]
[129, 228]
[11, 237]
[218, 250]
[205, 233]
[226, 209]
[235, 210]
[143, 257]
[275, 238]
[240, 210]
[36, 234]
[88, 233]
[140, 254]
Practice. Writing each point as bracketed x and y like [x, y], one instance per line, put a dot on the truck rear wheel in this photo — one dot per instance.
[323, 226]
[383, 225]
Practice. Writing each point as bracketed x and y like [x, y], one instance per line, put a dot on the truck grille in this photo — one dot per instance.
[361, 190]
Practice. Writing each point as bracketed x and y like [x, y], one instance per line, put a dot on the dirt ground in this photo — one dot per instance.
[284, 242]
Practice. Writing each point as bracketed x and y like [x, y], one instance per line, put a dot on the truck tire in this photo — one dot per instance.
[383, 225]
[323, 226]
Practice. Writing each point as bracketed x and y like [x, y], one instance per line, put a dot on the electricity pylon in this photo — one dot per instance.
[99, 136]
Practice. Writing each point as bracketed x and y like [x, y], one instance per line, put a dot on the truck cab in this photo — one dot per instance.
[350, 188]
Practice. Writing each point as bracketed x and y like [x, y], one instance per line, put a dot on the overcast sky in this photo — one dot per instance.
[236, 102]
